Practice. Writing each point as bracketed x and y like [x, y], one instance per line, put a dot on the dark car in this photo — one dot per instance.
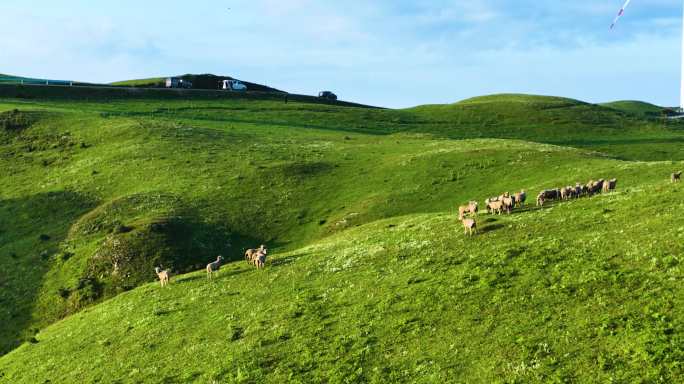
[327, 95]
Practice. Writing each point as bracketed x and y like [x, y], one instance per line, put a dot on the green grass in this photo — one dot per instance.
[371, 279]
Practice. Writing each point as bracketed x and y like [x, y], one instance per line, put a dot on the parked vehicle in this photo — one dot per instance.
[327, 95]
[176, 82]
[232, 85]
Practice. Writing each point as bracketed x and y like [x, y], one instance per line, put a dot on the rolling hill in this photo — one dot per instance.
[371, 278]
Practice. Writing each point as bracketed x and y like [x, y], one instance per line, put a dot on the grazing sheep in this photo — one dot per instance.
[469, 226]
[495, 207]
[164, 276]
[676, 177]
[520, 198]
[540, 199]
[214, 267]
[564, 193]
[471, 208]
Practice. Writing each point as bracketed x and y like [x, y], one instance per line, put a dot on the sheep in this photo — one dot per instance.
[259, 254]
[469, 226]
[676, 177]
[520, 198]
[551, 194]
[490, 200]
[508, 203]
[609, 185]
[579, 191]
[164, 276]
[595, 187]
[260, 258]
[564, 193]
[214, 267]
[546, 195]
[599, 185]
[249, 255]
[495, 207]
[470, 208]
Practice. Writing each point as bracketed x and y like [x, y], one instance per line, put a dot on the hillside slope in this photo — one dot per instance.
[565, 294]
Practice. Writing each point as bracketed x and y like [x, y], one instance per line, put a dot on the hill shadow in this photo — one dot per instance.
[31, 230]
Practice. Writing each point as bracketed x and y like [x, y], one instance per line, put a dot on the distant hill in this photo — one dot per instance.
[636, 107]
[204, 81]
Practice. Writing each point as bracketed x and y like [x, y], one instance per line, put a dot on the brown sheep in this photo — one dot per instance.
[469, 226]
[676, 177]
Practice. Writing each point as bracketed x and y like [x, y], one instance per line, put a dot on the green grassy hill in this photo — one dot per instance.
[371, 279]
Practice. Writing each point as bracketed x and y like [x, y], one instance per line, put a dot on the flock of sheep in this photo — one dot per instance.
[507, 202]
[253, 256]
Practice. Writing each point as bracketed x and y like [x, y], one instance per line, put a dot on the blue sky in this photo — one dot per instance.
[392, 53]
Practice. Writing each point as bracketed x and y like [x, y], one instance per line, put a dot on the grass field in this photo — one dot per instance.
[371, 278]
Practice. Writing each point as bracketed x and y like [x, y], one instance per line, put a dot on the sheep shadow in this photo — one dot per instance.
[491, 228]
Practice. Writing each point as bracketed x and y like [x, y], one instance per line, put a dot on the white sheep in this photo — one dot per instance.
[164, 276]
[214, 267]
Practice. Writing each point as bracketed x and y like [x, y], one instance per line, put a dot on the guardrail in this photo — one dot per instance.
[27, 81]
